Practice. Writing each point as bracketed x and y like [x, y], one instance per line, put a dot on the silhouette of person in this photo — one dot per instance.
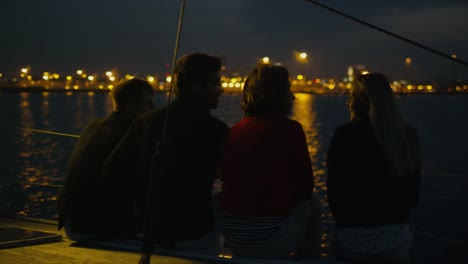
[267, 207]
[82, 196]
[374, 170]
[181, 167]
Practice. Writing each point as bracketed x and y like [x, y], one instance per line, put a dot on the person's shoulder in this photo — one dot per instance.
[218, 123]
[354, 126]
[98, 120]
[291, 122]
[150, 116]
[95, 123]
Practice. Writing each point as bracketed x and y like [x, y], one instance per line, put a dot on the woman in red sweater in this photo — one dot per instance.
[267, 208]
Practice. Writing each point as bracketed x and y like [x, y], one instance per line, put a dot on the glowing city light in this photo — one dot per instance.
[91, 78]
[266, 60]
[79, 72]
[168, 79]
[24, 70]
[108, 73]
[69, 78]
[408, 60]
[303, 55]
[300, 77]
[112, 78]
[150, 79]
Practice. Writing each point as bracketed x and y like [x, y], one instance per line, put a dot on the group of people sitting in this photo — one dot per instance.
[151, 171]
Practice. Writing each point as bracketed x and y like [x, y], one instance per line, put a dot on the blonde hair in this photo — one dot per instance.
[398, 140]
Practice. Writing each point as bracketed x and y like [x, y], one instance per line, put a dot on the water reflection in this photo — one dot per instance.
[304, 111]
[41, 157]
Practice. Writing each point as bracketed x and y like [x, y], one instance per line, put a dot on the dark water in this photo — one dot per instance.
[32, 163]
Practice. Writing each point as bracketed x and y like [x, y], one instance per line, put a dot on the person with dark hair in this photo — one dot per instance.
[267, 207]
[374, 169]
[83, 197]
[173, 153]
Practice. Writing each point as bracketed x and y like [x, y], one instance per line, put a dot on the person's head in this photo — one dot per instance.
[372, 96]
[133, 97]
[267, 92]
[197, 78]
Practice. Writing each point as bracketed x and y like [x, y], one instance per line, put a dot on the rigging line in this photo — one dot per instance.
[388, 33]
[441, 238]
[45, 185]
[49, 132]
[417, 231]
[174, 60]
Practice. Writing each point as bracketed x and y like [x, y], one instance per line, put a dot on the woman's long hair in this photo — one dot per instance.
[373, 93]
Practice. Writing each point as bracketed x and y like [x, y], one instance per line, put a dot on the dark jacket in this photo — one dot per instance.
[82, 197]
[362, 189]
[183, 171]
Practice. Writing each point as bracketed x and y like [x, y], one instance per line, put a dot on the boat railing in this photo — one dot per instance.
[326, 222]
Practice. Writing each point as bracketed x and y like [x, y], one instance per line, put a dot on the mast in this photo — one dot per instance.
[147, 246]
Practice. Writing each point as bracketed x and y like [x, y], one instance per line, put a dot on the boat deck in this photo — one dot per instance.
[110, 252]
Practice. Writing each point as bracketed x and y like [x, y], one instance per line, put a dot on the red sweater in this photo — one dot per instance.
[266, 167]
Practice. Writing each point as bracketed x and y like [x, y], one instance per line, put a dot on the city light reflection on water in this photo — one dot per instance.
[304, 111]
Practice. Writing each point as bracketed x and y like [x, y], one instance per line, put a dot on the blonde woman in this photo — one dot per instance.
[374, 172]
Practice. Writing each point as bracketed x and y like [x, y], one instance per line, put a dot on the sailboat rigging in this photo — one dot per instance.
[412, 42]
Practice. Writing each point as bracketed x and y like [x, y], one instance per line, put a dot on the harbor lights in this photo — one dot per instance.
[303, 55]
[302, 58]
[265, 60]
[24, 72]
[408, 61]
[150, 79]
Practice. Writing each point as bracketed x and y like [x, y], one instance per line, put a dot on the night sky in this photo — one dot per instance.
[137, 37]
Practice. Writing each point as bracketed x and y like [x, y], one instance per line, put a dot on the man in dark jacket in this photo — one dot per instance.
[83, 202]
[174, 152]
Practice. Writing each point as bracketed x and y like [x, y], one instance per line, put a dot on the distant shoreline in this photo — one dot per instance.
[41, 89]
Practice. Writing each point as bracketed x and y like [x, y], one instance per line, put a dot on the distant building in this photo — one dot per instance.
[354, 70]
